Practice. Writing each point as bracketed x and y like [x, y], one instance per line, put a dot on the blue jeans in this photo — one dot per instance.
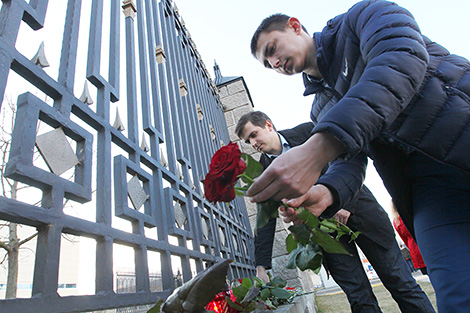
[441, 218]
[392, 270]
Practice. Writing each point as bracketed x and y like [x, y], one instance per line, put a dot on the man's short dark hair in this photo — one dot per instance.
[273, 22]
[276, 21]
[256, 118]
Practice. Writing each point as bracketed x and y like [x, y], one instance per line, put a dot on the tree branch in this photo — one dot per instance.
[22, 242]
[5, 246]
[4, 258]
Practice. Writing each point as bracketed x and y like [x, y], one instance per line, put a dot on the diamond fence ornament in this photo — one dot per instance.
[56, 151]
[222, 236]
[180, 216]
[138, 190]
[136, 193]
[235, 244]
[30, 112]
[205, 229]
[244, 246]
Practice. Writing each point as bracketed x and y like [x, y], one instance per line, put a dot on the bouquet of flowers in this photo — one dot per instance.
[248, 295]
[229, 165]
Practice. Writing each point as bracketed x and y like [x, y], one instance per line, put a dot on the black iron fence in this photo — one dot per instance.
[125, 120]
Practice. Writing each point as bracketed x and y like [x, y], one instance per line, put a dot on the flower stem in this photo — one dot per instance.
[248, 178]
[241, 188]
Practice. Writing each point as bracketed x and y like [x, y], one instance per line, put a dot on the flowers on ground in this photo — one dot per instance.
[248, 295]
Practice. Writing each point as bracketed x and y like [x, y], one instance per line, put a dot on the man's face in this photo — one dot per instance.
[284, 51]
[263, 139]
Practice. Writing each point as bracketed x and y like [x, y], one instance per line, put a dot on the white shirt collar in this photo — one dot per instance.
[285, 146]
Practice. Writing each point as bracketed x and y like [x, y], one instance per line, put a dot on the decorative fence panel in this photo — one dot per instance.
[122, 164]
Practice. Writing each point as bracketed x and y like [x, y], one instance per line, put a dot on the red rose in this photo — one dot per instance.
[227, 160]
[225, 166]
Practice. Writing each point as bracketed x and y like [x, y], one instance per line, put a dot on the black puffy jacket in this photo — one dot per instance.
[386, 86]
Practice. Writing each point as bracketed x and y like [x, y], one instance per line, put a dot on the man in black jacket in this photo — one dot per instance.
[382, 89]
[363, 213]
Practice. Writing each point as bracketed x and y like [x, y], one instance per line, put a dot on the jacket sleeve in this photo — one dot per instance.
[392, 49]
[344, 179]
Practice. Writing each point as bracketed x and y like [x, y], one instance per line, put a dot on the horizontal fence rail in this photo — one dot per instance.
[116, 120]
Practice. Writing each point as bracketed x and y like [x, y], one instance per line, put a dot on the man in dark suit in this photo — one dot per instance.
[363, 213]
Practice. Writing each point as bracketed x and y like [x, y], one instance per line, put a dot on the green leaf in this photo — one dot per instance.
[328, 243]
[330, 223]
[310, 258]
[253, 167]
[255, 306]
[246, 282]
[281, 293]
[307, 216]
[278, 282]
[292, 263]
[354, 235]
[265, 293]
[326, 229]
[234, 305]
[349, 232]
[258, 282]
[265, 211]
[291, 244]
[250, 307]
[156, 307]
[240, 292]
[301, 233]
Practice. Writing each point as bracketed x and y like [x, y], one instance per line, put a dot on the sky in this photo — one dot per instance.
[222, 32]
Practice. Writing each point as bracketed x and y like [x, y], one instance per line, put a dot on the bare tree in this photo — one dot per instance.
[12, 243]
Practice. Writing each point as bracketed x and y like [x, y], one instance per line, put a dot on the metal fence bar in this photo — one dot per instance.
[179, 110]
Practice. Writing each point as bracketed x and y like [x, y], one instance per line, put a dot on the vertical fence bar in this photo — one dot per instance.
[156, 37]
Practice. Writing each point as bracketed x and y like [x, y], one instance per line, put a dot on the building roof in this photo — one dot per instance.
[220, 80]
